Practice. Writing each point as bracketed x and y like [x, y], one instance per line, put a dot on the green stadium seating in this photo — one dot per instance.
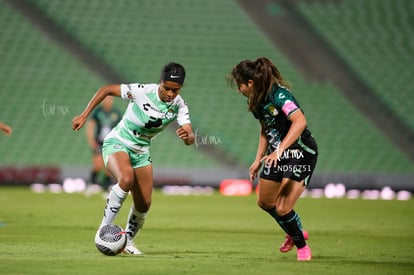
[376, 38]
[43, 87]
[137, 38]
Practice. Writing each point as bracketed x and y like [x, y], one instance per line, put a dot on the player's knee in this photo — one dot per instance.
[264, 204]
[126, 180]
[282, 209]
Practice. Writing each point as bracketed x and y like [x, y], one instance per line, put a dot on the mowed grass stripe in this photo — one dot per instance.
[53, 234]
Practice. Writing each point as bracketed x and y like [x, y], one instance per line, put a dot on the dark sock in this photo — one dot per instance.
[93, 177]
[273, 213]
[292, 225]
[106, 182]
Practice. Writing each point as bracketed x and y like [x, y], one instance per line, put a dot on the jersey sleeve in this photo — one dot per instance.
[129, 91]
[289, 107]
[285, 101]
[183, 116]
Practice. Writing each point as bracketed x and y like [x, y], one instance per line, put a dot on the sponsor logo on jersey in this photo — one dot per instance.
[147, 106]
[273, 111]
[169, 114]
[292, 154]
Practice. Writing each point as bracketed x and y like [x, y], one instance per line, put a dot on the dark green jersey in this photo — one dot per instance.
[105, 121]
[274, 114]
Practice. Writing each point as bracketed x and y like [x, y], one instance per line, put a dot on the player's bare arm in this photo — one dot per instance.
[261, 150]
[298, 125]
[107, 90]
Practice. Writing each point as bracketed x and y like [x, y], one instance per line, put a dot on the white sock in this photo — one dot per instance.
[135, 223]
[113, 203]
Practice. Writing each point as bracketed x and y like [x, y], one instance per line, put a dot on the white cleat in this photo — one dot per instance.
[130, 248]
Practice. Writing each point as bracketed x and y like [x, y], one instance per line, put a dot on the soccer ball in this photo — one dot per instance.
[110, 239]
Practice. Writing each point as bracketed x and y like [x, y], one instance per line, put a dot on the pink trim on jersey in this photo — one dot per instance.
[288, 107]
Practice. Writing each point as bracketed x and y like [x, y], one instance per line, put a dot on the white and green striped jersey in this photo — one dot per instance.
[146, 115]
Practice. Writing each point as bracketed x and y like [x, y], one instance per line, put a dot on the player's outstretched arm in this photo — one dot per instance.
[98, 97]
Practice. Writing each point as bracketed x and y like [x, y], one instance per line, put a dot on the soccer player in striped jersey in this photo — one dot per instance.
[286, 147]
[126, 148]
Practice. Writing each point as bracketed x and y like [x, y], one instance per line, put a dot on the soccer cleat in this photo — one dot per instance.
[288, 244]
[130, 248]
[304, 253]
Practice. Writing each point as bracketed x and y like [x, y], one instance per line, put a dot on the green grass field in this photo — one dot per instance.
[53, 234]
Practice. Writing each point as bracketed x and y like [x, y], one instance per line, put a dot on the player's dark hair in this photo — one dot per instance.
[263, 73]
[173, 72]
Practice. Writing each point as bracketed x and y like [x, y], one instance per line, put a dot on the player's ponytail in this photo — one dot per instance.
[263, 74]
[263, 81]
[271, 73]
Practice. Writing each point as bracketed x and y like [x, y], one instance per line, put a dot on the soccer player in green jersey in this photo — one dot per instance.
[286, 147]
[126, 148]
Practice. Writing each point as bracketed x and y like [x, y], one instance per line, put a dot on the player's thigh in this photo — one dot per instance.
[119, 165]
[268, 190]
[116, 157]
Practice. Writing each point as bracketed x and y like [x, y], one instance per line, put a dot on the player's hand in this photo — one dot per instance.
[78, 122]
[187, 137]
[271, 159]
[253, 170]
[7, 130]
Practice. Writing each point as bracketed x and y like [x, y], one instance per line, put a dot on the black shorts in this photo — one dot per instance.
[297, 162]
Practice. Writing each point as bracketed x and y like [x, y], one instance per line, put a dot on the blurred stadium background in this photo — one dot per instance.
[350, 63]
